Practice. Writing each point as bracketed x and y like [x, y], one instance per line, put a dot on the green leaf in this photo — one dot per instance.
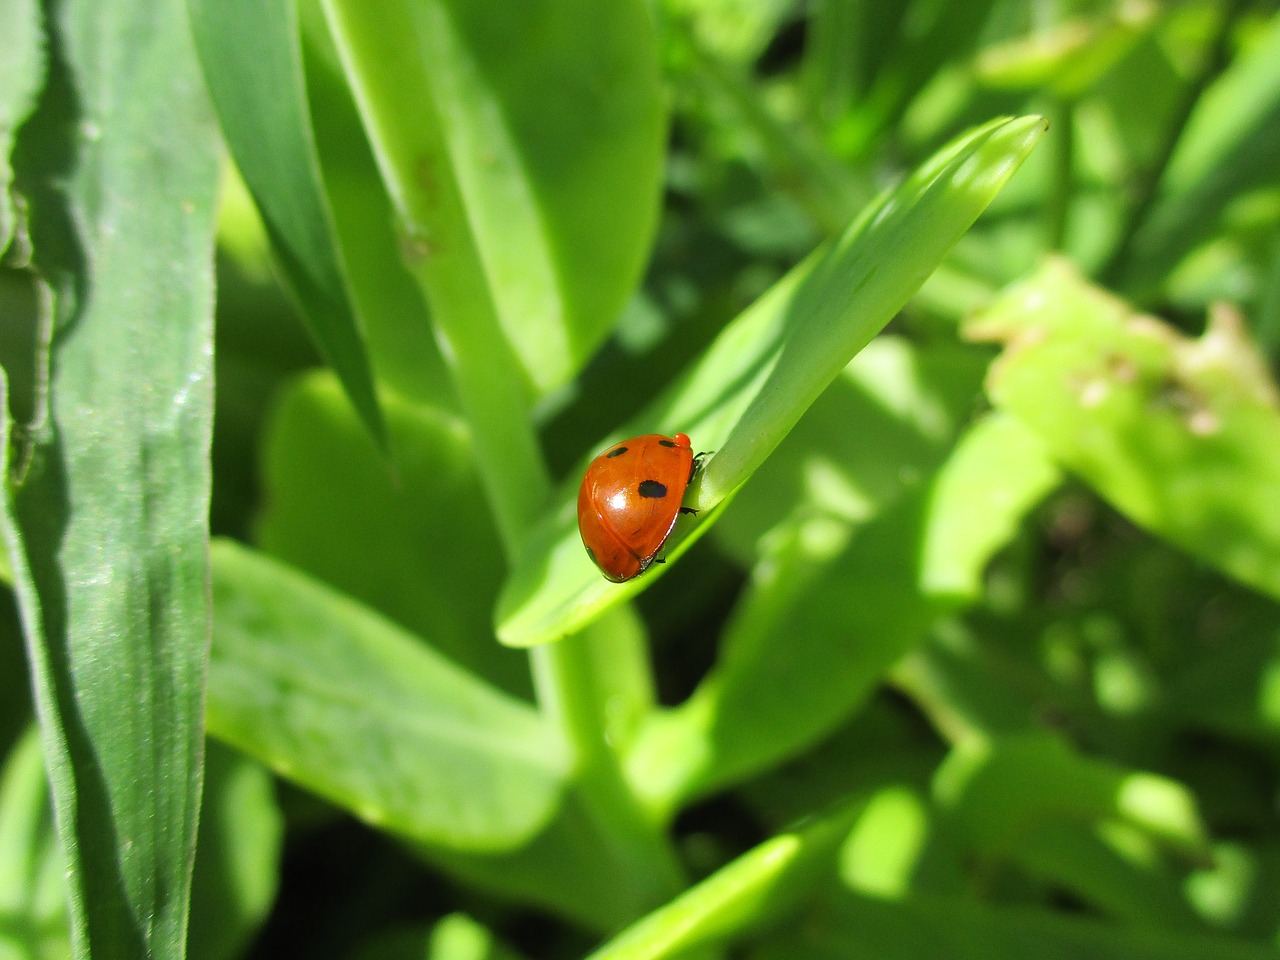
[997, 473]
[575, 869]
[858, 926]
[107, 530]
[237, 857]
[829, 611]
[760, 887]
[401, 338]
[33, 899]
[1231, 145]
[415, 542]
[247, 47]
[21, 77]
[884, 425]
[765, 370]
[1078, 822]
[1068, 58]
[343, 702]
[551, 126]
[1182, 436]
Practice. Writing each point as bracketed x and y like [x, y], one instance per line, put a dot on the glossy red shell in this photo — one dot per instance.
[629, 501]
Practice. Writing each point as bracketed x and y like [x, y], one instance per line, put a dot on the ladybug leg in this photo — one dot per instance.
[688, 511]
[697, 463]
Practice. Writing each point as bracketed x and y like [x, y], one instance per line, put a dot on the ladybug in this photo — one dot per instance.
[629, 501]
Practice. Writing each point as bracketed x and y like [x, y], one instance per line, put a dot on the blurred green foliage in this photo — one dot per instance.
[973, 649]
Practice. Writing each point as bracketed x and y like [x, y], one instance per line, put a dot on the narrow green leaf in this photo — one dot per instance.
[828, 612]
[107, 530]
[21, 77]
[885, 425]
[340, 700]
[1182, 436]
[760, 887]
[1231, 145]
[860, 926]
[766, 369]
[33, 898]
[398, 329]
[252, 59]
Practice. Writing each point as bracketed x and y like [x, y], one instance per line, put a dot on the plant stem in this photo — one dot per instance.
[1063, 173]
[382, 54]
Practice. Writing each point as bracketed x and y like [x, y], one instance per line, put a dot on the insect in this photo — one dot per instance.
[629, 501]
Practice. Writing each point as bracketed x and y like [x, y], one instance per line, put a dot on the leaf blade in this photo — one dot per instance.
[770, 364]
[272, 142]
[107, 531]
[333, 696]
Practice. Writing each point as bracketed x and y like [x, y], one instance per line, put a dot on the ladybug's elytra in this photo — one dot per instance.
[629, 501]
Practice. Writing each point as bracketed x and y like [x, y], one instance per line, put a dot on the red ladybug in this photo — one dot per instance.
[629, 501]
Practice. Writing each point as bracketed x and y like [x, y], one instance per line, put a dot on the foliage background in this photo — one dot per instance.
[972, 648]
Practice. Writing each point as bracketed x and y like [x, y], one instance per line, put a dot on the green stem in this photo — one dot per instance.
[382, 57]
[381, 47]
[1063, 174]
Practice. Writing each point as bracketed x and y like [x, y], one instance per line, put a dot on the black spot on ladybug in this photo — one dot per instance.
[666, 443]
[652, 489]
[616, 452]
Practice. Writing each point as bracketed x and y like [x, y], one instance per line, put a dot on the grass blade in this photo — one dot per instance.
[107, 530]
[270, 137]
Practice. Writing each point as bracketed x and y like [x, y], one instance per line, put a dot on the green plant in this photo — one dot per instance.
[968, 649]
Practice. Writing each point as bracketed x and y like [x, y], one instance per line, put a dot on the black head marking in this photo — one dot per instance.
[666, 443]
[616, 452]
[652, 489]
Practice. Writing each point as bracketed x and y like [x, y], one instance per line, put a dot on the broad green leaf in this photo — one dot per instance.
[413, 540]
[760, 887]
[33, 899]
[247, 47]
[107, 531]
[546, 120]
[996, 474]
[237, 857]
[765, 370]
[21, 77]
[1180, 435]
[862, 926]
[336, 698]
